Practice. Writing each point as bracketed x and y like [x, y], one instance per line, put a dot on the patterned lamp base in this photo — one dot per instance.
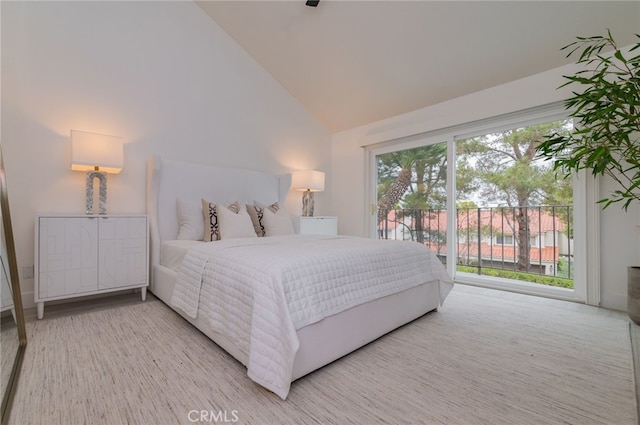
[102, 178]
[307, 203]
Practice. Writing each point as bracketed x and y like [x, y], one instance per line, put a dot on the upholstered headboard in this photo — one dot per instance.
[168, 181]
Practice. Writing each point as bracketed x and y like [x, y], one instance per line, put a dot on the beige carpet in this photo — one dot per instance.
[481, 359]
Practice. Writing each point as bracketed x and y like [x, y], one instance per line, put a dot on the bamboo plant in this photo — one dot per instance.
[605, 106]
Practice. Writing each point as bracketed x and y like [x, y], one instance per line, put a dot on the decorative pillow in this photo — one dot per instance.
[190, 221]
[235, 224]
[273, 207]
[278, 223]
[211, 221]
[256, 212]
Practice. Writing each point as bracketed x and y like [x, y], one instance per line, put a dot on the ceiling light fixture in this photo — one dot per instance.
[313, 3]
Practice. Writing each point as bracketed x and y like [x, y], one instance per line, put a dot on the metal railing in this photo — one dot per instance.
[532, 240]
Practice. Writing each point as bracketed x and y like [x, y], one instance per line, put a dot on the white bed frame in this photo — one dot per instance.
[321, 342]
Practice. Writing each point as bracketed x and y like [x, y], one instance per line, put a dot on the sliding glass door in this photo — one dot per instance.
[412, 196]
[494, 213]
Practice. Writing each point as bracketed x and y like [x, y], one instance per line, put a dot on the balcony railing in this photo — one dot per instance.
[532, 240]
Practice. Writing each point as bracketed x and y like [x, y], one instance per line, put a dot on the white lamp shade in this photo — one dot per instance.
[308, 180]
[91, 150]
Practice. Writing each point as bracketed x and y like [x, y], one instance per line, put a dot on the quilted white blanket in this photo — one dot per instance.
[260, 290]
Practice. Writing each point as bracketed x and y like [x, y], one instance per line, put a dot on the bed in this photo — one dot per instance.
[281, 331]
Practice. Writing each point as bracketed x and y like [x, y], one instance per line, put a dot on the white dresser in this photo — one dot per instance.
[320, 225]
[89, 254]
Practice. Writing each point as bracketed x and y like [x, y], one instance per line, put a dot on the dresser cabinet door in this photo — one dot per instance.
[68, 260]
[123, 252]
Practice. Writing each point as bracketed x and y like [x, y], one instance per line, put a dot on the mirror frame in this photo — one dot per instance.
[16, 294]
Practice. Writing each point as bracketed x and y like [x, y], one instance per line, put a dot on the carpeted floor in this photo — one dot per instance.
[481, 359]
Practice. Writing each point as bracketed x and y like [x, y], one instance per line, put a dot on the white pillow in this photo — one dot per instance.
[278, 223]
[235, 225]
[190, 221]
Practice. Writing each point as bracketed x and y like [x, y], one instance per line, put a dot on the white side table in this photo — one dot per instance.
[320, 225]
[89, 254]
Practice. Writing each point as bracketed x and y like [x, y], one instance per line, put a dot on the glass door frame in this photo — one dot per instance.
[586, 215]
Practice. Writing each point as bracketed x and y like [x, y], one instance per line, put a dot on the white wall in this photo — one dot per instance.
[619, 241]
[619, 248]
[161, 74]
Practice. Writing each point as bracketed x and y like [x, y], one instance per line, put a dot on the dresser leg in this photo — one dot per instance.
[144, 293]
[40, 309]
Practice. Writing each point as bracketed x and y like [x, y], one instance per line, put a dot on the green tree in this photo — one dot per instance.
[504, 168]
[414, 179]
[394, 179]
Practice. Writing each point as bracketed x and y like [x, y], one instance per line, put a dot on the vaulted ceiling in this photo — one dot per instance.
[355, 62]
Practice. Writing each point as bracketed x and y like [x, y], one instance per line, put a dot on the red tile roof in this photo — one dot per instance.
[501, 220]
[509, 252]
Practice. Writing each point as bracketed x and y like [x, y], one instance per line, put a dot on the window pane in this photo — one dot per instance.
[504, 193]
[412, 196]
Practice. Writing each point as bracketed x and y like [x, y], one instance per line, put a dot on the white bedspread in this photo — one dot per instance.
[172, 252]
[263, 289]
